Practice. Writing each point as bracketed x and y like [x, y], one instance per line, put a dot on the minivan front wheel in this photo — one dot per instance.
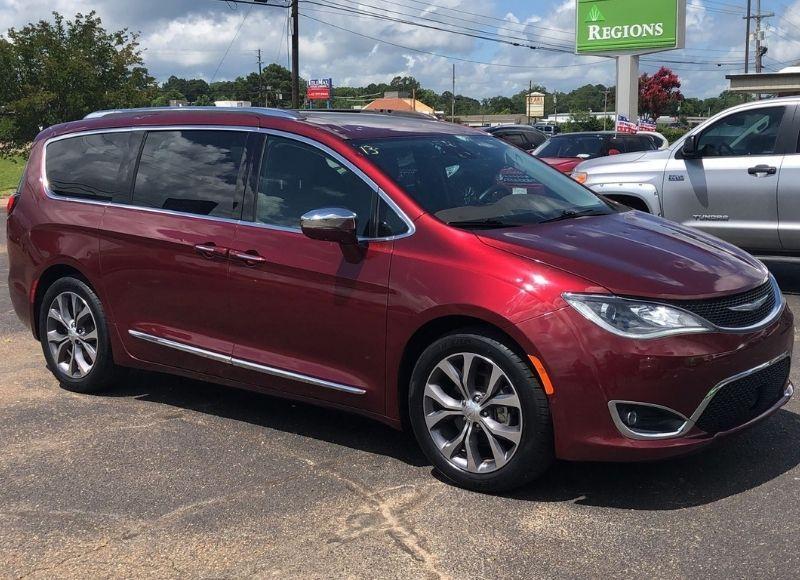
[479, 413]
[74, 337]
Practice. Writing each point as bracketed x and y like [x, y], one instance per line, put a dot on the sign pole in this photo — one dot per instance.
[628, 87]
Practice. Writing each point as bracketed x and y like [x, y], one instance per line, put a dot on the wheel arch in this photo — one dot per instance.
[434, 329]
[45, 280]
[631, 201]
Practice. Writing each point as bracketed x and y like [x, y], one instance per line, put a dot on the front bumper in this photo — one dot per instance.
[592, 370]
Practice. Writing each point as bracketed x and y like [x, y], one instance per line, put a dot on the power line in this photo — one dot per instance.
[479, 36]
[456, 58]
[227, 50]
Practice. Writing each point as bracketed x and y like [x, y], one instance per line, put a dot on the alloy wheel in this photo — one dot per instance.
[473, 412]
[72, 335]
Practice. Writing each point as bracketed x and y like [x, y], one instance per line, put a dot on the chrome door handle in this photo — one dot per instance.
[762, 170]
[211, 250]
[250, 258]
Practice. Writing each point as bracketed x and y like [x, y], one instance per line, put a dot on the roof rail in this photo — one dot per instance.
[267, 112]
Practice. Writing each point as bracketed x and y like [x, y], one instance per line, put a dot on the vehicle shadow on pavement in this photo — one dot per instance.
[742, 462]
[306, 420]
[732, 466]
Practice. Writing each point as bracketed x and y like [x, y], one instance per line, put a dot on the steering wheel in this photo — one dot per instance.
[725, 150]
[492, 189]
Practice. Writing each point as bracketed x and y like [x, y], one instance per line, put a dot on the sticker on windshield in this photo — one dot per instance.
[519, 191]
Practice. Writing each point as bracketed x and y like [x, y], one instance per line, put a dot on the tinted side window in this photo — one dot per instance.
[297, 178]
[389, 223]
[517, 139]
[753, 132]
[193, 171]
[94, 166]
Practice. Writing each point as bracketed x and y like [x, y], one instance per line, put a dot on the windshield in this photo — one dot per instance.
[480, 181]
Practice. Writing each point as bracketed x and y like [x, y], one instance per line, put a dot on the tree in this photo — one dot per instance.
[59, 71]
[658, 91]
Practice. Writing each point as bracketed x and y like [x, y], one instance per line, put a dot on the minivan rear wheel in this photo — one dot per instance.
[74, 337]
[479, 413]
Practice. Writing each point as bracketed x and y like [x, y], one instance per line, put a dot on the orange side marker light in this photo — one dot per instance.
[545, 378]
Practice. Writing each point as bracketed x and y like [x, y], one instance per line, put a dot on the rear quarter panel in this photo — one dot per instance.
[46, 231]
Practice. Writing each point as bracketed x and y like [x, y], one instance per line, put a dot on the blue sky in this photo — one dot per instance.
[191, 37]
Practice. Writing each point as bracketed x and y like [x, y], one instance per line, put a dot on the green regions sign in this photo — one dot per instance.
[628, 26]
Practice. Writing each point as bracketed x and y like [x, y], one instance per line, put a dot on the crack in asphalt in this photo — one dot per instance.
[392, 522]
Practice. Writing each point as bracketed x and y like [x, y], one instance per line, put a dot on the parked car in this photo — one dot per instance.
[523, 136]
[416, 272]
[565, 152]
[548, 129]
[659, 139]
[733, 176]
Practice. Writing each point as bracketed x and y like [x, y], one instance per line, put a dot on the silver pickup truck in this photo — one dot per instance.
[737, 176]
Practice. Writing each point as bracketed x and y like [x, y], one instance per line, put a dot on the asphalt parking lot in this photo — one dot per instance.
[167, 477]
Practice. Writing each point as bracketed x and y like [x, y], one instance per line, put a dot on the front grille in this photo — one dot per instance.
[741, 401]
[718, 310]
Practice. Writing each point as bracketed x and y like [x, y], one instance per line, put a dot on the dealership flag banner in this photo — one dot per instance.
[625, 126]
[647, 125]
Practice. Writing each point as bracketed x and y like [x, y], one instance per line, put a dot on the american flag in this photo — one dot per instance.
[647, 125]
[625, 126]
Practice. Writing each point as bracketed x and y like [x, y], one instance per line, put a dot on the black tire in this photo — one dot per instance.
[534, 453]
[104, 373]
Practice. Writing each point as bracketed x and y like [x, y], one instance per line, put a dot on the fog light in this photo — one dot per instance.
[644, 419]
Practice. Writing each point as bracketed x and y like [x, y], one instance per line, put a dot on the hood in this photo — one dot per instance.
[636, 254]
[622, 159]
[563, 164]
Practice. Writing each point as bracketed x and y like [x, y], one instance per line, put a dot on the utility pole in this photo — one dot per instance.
[261, 82]
[528, 101]
[747, 18]
[605, 106]
[453, 102]
[759, 36]
[295, 56]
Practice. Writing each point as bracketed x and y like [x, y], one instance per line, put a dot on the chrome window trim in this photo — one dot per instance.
[692, 420]
[245, 364]
[325, 149]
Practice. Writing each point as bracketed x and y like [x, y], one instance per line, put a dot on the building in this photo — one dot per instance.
[785, 82]
[237, 104]
[394, 102]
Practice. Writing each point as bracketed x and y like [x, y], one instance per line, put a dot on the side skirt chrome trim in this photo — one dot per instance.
[248, 365]
[181, 346]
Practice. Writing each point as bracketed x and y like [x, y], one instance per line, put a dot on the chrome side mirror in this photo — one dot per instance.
[332, 224]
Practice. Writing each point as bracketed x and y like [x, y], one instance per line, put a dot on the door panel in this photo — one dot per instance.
[725, 193]
[310, 309]
[789, 203]
[158, 283]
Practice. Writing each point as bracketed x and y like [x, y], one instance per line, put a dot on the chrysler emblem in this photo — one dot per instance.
[750, 306]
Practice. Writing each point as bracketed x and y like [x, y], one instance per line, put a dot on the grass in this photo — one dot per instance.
[10, 172]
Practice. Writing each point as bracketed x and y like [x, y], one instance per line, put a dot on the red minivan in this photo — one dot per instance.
[421, 273]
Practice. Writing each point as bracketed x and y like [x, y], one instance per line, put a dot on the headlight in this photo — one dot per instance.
[579, 176]
[635, 318]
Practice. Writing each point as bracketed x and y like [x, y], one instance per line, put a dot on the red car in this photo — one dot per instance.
[420, 273]
[567, 151]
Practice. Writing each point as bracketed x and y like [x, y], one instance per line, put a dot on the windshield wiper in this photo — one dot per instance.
[572, 214]
[488, 223]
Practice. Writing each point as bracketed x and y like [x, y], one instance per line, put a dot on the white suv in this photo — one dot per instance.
[735, 177]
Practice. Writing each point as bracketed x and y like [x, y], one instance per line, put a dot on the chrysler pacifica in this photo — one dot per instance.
[424, 274]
